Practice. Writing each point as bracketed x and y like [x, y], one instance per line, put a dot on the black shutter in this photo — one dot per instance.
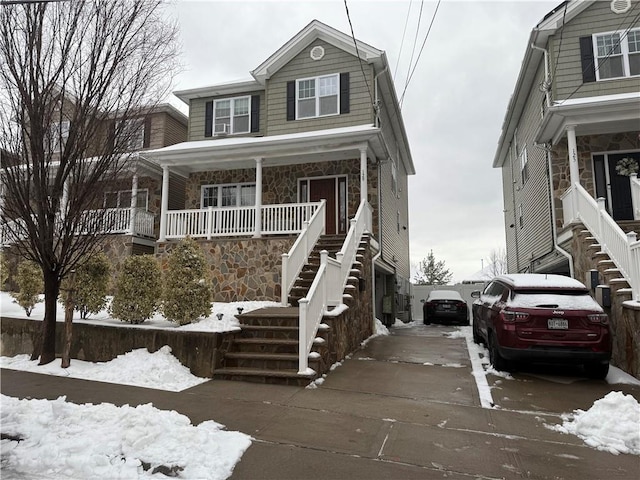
[255, 113]
[344, 92]
[587, 59]
[146, 139]
[208, 119]
[291, 100]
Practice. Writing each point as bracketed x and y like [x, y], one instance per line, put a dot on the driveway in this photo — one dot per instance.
[405, 406]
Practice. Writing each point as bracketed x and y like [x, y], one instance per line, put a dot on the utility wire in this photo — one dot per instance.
[415, 42]
[355, 43]
[564, 14]
[402, 42]
[419, 53]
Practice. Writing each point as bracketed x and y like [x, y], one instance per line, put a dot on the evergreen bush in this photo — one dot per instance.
[91, 285]
[30, 285]
[138, 287]
[187, 291]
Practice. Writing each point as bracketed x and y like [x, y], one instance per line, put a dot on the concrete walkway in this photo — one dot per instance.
[404, 407]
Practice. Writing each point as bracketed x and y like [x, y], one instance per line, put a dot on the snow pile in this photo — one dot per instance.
[159, 370]
[612, 424]
[71, 441]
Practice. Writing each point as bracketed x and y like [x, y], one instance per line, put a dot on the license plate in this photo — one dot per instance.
[557, 324]
[445, 306]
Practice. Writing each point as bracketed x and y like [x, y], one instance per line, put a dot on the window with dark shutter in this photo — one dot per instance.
[587, 60]
[344, 92]
[291, 100]
[146, 136]
[208, 119]
[255, 113]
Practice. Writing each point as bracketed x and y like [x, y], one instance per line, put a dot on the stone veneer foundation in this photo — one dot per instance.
[241, 269]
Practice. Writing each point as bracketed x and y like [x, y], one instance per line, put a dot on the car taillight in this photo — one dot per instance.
[601, 318]
[509, 316]
[461, 305]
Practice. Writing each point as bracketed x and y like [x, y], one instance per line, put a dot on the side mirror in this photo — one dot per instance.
[475, 294]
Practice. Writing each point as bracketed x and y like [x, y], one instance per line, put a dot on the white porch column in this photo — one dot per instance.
[363, 173]
[165, 204]
[65, 199]
[258, 227]
[574, 171]
[134, 204]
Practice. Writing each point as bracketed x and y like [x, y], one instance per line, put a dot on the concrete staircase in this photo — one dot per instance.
[266, 348]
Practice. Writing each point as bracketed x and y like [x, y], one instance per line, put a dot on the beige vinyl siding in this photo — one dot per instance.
[175, 131]
[598, 18]
[510, 214]
[535, 236]
[302, 66]
[158, 125]
[197, 114]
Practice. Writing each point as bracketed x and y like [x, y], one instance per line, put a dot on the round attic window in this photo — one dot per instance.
[620, 6]
[317, 53]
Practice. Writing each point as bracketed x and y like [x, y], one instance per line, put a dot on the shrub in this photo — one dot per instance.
[4, 271]
[138, 287]
[187, 292]
[30, 285]
[91, 285]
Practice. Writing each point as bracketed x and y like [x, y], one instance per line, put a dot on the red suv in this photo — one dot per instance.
[541, 318]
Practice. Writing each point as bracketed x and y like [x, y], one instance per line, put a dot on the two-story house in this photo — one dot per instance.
[308, 153]
[570, 144]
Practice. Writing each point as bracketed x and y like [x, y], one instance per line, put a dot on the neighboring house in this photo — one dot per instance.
[317, 126]
[570, 134]
[134, 202]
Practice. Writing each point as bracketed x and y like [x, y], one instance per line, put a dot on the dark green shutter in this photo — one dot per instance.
[344, 92]
[146, 139]
[587, 59]
[208, 119]
[255, 113]
[291, 100]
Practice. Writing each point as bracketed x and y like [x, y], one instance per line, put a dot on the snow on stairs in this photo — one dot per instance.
[267, 349]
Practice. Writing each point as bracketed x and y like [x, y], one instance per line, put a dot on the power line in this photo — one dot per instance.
[355, 43]
[564, 14]
[415, 42]
[402, 42]
[419, 53]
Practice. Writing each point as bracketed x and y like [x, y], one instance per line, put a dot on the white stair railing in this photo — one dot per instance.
[295, 258]
[328, 285]
[622, 248]
[635, 195]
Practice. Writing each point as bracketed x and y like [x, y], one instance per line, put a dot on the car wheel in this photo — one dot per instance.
[597, 370]
[477, 338]
[497, 360]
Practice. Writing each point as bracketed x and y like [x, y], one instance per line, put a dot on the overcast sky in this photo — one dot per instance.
[453, 108]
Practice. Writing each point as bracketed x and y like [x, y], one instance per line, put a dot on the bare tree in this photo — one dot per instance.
[73, 77]
[497, 262]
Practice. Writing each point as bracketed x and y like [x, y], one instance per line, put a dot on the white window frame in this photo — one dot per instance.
[119, 194]
[524, 161]
[218, 196]
[134, 139]
[624, 53]
[317, 96]
[232, 115]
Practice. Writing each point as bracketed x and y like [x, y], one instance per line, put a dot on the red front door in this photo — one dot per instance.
[325, 188]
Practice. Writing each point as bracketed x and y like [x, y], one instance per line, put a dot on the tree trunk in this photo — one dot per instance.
[48, 345]
[68, 321]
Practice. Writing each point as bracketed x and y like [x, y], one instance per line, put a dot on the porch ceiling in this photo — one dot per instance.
[590, 116]
[242, 152]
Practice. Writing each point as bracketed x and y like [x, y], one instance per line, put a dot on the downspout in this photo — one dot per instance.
[546, 84]
[376, 103]
[557, 247]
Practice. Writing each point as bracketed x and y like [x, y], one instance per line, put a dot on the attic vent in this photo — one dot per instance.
[317, 53]
[620, 6]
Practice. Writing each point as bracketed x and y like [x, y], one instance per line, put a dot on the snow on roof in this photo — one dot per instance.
[540, 280]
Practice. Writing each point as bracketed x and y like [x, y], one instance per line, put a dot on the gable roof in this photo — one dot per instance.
[313, 31]
[548, 26]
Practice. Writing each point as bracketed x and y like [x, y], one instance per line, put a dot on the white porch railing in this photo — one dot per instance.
[635, 195]
[111, 221]
[294, 260]
[328, 286]
[233, 221]
[622, 248]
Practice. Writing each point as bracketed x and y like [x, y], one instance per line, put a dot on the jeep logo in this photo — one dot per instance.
[558, 312]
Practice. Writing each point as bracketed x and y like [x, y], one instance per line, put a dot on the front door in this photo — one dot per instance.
[614, 187]
[334, 191]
